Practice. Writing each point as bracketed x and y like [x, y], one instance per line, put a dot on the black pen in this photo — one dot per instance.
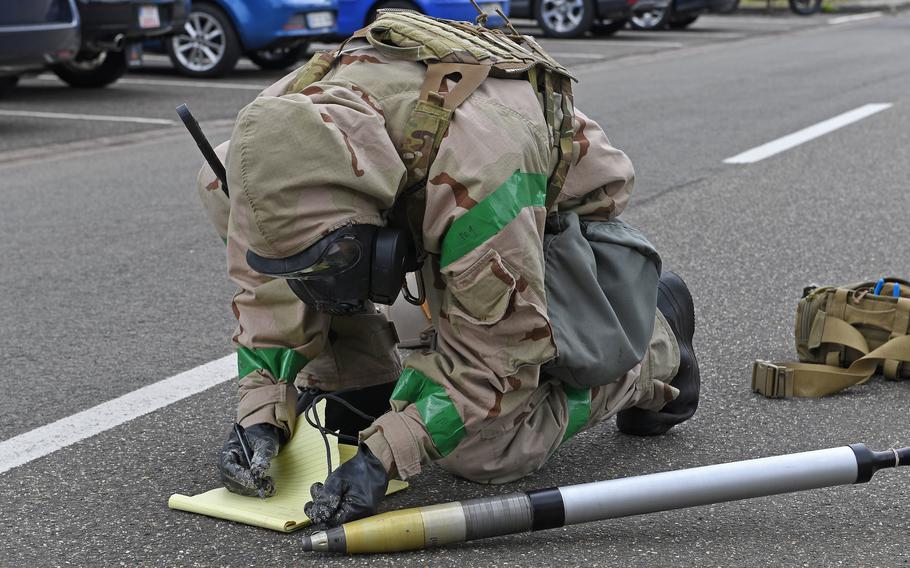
[247, 452]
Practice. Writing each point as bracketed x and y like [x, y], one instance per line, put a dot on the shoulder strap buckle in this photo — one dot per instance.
[772, 381]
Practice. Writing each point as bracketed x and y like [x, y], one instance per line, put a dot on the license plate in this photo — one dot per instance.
[320, 20]
[148, 17]
[134, 51]
[490, 9]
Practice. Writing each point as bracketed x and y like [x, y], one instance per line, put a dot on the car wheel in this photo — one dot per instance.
[7, 84]
[805, 7]
[565, 18]
[279, 57]
[208, 45]
[390, 5]
[608, 27]
[651, 19]
[95, 71]
[682, 22]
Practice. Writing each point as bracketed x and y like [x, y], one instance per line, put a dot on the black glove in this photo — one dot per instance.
[353, 491]
[244, 478]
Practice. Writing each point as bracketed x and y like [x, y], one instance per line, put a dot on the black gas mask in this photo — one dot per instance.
[346, 268]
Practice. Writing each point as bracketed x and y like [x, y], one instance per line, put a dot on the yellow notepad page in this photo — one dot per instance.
[296, 467]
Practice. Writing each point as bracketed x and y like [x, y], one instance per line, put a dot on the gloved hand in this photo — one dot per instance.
[353, 491]
[237, 477]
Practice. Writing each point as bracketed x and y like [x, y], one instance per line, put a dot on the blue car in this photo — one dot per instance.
[274, 34]
[354, 14]
[33, 34]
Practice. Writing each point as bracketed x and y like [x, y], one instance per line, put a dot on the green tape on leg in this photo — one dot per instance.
[282, 363]
[436, 409]
[579, 405]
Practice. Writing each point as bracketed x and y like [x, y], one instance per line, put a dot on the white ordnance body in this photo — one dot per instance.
[709, 484]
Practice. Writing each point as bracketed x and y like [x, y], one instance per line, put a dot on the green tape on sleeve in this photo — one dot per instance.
[436, 409]
[282, 363]
[492, 214]
[579, 404]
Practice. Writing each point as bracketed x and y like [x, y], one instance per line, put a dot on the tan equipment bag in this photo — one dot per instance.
[843, 336]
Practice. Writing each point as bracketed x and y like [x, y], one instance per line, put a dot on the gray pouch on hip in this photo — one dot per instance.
[601, 282]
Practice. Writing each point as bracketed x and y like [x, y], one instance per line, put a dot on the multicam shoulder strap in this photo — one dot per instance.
[843, 335]
[468, 54]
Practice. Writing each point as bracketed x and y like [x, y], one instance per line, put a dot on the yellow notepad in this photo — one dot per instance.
[296, 467]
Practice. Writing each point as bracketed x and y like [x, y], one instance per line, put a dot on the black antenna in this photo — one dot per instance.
[207, 151]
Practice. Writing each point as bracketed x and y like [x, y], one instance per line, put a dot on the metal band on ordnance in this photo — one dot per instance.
[497, 516]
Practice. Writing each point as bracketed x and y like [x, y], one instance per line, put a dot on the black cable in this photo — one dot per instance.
[316, 423]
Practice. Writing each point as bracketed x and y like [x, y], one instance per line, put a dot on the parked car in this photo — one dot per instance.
[676, 14]
[108, 28]
[33, 34]
[274, 34]
[574, 18]
[354, 14]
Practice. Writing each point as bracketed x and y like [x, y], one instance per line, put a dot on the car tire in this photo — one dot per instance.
[214, 55]
[278, 58]
[608, 27]
[654, 19]
[682, 22]
[95, 72]
[7, 84]
[565, 18]
[805, 7]
[726, 8]
[390, 5]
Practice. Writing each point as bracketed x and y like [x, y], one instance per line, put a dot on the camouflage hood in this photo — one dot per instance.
[295, 177]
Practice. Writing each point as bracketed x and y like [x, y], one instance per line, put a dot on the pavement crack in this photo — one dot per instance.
[652, 197]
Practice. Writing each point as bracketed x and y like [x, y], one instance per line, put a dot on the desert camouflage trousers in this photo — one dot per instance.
[520, 442]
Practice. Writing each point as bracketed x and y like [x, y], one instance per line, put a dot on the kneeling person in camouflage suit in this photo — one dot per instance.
[472, 137]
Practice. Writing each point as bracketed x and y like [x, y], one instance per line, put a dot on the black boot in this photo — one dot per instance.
[675, 303]
[373, 401]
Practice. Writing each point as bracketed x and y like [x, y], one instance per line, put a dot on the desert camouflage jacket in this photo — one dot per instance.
[301, 164]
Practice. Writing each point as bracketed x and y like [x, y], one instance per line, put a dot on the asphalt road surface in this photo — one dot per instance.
[112, 280]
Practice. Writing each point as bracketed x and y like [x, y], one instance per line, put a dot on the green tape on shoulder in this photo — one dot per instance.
[282, 363]
[492, 214]
[436, 409]
[579, 403]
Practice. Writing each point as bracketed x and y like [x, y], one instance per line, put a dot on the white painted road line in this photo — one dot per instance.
[176, 83]
[97, 117]
[67, 431]
[619, 43]
[806, 134]
[854, 18]
[568, 55]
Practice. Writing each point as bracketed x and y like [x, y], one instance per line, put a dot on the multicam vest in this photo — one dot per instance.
[844, 334]
[469, 54]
